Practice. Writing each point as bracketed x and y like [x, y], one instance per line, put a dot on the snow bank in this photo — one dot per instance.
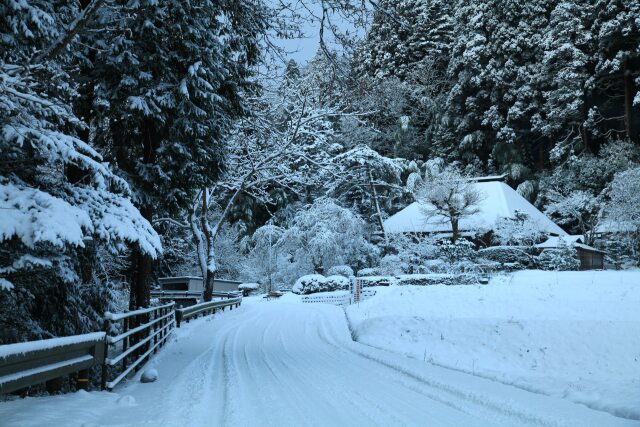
[568, 334]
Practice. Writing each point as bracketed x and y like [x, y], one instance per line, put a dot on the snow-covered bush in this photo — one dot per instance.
[313, 283]
[363, 272]
[340, 270]
[435, 266]
[377, 281]
[510, 257]
[454, 252]
[310, 284]
[519, 230]
[437, 279]
[392, 265]
[559, 259]
[337, 283]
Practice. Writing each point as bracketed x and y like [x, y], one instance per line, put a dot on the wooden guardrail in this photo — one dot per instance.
[29, 363]
[205, 308]
[128, 341]
[142, 332]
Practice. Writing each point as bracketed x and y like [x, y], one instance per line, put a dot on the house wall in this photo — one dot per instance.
[590, 260]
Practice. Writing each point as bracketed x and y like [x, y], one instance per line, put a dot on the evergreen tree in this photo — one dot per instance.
[60, 202]
[164, 90]
[405, 34]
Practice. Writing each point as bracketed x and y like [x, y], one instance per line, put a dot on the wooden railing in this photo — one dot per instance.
[142, 332]
[205, 308]
[29, 363]
[128, 341]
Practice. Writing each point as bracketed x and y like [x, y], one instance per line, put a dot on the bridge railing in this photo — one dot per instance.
[29, 363]
[185, 314]
[141, 332]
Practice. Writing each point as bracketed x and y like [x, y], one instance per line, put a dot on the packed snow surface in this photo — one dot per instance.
[284, 363]
[574, 335]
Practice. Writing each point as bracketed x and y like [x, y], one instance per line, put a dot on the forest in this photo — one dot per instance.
[148, 138]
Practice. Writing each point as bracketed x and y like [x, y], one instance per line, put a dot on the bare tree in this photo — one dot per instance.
[282, 145]
[450, 195]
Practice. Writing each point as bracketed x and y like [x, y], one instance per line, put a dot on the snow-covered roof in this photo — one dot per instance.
[499, 201]
[178, 278]
[611, 226]
[575, 241]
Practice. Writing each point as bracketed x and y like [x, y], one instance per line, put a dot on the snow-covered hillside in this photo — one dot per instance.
[569, 334]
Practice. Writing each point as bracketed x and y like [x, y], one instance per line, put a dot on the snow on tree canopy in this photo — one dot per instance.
[34, 216]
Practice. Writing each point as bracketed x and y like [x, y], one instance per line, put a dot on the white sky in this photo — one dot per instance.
[303, 49]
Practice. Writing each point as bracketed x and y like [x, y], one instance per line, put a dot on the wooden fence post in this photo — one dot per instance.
[83, 379]
[105, 371]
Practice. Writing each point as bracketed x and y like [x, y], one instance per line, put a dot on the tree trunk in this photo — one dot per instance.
[378, 211]
[454, 230]
[584, 133]
[142, 265]
[208, 286]
[629, 89]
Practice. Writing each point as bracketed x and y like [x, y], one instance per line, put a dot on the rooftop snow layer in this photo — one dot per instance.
[500, 201]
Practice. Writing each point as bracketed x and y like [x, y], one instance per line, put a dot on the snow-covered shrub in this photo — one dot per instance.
[559, 259]
[437, 279]
[435, 266]
[466, 266]
[337, 283]
[509, 257]
[363, 272]
[340, 270]
[310, 284]
[454, 252]
[519, 230]
[392, 265]
[377, 281]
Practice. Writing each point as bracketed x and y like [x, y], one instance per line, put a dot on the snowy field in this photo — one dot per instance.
[284, 363]
[574, 335]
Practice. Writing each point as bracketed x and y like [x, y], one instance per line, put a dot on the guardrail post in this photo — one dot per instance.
[105, 371]
[178, 317]
[83, 379]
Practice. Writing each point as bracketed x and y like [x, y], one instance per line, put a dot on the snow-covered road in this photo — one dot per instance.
[291, 364]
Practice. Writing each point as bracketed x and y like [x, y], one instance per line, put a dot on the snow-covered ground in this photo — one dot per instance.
[574, 335]
[284, 363]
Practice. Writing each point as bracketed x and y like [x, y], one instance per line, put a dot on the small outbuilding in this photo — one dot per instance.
[590, 257]
[188, 290]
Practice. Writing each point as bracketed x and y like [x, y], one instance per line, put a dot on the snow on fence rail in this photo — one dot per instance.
[35, 362]
[205, 308]
[143, 332]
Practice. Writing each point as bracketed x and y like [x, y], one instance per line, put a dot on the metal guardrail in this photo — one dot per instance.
[144, 331]
[25, 364]
[205, 308]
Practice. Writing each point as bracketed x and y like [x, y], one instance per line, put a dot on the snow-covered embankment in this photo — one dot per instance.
[568, 334]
